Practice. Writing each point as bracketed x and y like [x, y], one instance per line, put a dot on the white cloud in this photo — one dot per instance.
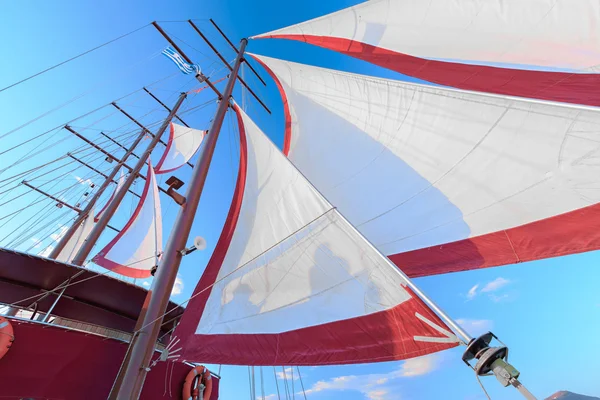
[46, 252]
[146, 284]
[489, 288]
[472, 292]
[377, 395]
[347, 382]
[373, 386]
[37, 242]
[288, 374]
[178, 286]
[419, 366]
[495, 285]
[475, 327]
[82, 181]
[498, 299]
[61, 232]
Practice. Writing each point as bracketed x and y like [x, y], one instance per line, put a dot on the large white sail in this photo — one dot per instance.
[546, 49]
[443, 180]
[183, 143]
[118, 186]
[135, 250]
[74, 244]
[291, 282]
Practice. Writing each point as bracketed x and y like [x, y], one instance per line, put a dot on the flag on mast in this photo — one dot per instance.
[183, 65]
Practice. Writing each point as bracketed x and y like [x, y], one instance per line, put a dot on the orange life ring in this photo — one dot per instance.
[190, 385]
[7, 336]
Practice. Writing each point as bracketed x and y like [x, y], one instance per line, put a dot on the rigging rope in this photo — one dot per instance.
[234, 270]
[276, 383]
[250, 383]
[83, 147]
[37, 243]
[77, 97]
[79, 149]
[62, 175]
[301, 383]
[293, 390]
[60, 286]
[285, 383]
[49, 205]
[45, 197]
[26, 234]
[73, 58]
[89, 112]
[262, 384]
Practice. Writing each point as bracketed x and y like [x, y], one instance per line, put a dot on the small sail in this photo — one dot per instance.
[443, 180]
[292, 283]
[77, 240]
[135, 250]
[120, 183]
[183, 143]
[544, 49]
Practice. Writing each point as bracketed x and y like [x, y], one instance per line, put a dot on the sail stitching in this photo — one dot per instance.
[511, 246]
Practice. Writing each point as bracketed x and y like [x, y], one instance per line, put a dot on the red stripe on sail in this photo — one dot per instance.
[287, 134]
[158, 167]
[576, 88]
[569, 233]
[203, 289]
[116, 267]
[383, 336]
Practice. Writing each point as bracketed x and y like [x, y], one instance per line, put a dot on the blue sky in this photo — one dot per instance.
[549, 304]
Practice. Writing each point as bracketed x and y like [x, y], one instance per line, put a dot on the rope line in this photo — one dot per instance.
[72, 58]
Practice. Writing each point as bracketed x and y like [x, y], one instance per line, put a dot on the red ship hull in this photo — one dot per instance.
[51, 362]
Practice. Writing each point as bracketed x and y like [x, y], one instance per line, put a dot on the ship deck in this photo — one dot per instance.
[91, 297]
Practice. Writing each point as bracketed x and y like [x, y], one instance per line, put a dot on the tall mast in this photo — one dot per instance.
[91, 240]
[88, 208]
[157, 298]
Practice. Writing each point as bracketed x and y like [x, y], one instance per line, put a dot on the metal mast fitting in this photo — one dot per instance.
[493, 361]
[212, 21]
[213, 48]
[164, 106]
[201, 77]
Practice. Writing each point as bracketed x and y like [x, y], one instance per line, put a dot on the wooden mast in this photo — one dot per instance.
[135, 367]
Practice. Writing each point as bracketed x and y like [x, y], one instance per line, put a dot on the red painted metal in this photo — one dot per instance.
[93, 298]
[48, 362]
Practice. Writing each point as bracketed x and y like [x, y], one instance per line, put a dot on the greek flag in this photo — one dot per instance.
[185, 67]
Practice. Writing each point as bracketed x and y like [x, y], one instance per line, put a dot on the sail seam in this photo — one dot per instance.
[511, 245]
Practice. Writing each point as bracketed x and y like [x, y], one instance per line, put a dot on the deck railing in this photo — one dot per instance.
[31, 315]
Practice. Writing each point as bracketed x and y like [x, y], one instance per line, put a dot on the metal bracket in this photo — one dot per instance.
[493, 361]
[174, 184]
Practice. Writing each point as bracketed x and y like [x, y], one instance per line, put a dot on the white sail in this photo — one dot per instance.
[183, 143]
[135, 250]
[443, 180]
[291, 282]
[546, 49]
[118, 186]
[74, 244]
